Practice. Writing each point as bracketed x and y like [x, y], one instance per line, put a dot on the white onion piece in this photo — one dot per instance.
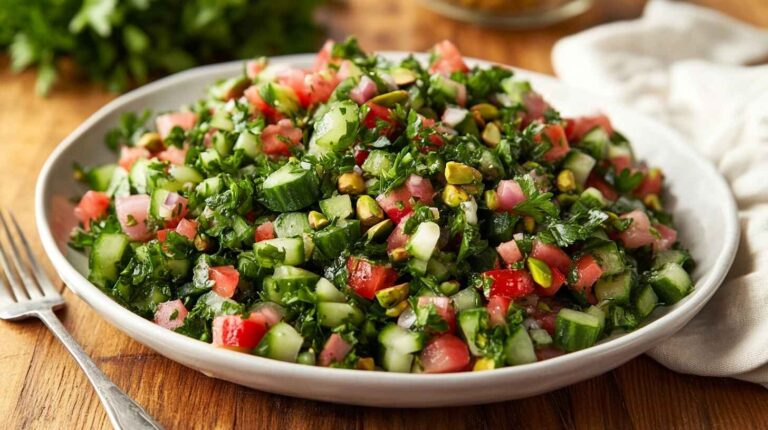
[453, 116]
[407, 318]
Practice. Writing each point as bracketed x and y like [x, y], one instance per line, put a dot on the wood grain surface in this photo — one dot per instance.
[42, 387]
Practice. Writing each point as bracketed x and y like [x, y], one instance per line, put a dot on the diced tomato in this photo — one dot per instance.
[509, 252]
[132, 213]
[360, 156]
[396, 203]
[310, 88]
[510, 194]
[497, 307]
[398, 238]
[444, 308]
[365, 277]
[535, 108]
[548, 352]
[445, 353]
[558, 279]
[325, 56]
[269, 312]
[380, 115]
[334, 350]
[170, 314]
[555, 136]
[254, 67]
[638, 233]
[254, 98]
[93, 206]
[364, 90]
[433, 140]
[167, 122]
[277, 139]
[187, 228]
[509, 283]
[588, 271]
[576, 128]
[447, 59]
[234, 332]
[667, 239]
[651, 184]
[174, 155]
[420, 188]
[599, 183]
[162, 234]
[546, 317]
[129, 155]
[552, 255]
[225, 280]
[620, 162]
[264, 231]
[346, 69]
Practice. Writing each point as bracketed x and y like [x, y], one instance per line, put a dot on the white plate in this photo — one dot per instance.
[703, 206]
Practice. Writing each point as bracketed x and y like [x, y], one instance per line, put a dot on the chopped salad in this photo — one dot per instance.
[381, 215]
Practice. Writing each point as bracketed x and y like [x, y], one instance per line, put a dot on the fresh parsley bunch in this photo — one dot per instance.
[125, 42]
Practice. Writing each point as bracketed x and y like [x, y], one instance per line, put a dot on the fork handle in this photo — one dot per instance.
[123, 412]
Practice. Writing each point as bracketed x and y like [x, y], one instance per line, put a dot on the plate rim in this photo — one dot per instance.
[93, 295]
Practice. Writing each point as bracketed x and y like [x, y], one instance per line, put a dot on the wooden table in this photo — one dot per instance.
[43, 388]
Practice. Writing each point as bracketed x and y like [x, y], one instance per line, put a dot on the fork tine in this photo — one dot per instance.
[6, 296]
[18, 292]
[27, 281]
[43, 281]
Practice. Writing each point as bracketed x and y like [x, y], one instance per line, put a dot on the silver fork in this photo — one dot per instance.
[26, 291]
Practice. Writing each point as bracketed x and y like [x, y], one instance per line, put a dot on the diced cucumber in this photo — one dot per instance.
[616, 288]
[468, 298]
[670, 256]
[600, 313]
[609, 258]
[576, 330]
[221, 120]
[595, 143]
[282, 342]
[377, 163]
[291, 224]
[439, 270]
[518, 348]
[621, 149]
[105, 258]
[178, 268]
[339, 207]
[472, 322]
[334, 239]
[540, 337]
[417, 267]
[336, 130]
[249, 143]
[489, 164]
[290, 188]
[580, 164]
[185, 175]
[332, 314]
[210, 187]
[294, 278]
[223, 143]
[99, 178]
[443, 89]
[281, 97]
[401, 340]
[215, 303]
[501, 226]
[210, 158]
[592, 198]
[422, 243]
[268, 252]
[138, 176]
[119, 184]
[646, 301]
[515, 89]
[671, 283]
[327, 292]
[393, 361]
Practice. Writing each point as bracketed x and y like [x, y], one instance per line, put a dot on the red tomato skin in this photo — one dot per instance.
[232, 331]
[604, 187]
[620, 163]
[376, 114]
[162, 234]
[497, 307]
[93, 206]
[324, 56]
[558, 279]
[225, 280]
[576, 128]
[398, 238]
[667, 239]
[444, 308]
[447, 59]
[360, 156]
[265, 231]
[445, 353]
[555, 135]
[278, 139]
[174, 155]
[420, 188]
[167, 122]
[366, 278]
[552, 255]
[589, 271]
[510, 283]
[254, 98]
[128, 156]
[187, 228]
[651, 184]
[638, 233]
[396, 203]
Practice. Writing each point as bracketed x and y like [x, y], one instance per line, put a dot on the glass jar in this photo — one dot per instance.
[509, 13]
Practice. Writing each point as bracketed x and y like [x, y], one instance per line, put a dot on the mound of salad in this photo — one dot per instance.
[381, 215]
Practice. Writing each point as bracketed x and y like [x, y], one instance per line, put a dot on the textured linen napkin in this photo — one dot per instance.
[696, 70]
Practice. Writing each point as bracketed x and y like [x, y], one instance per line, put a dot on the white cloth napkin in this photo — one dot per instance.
[688, 66]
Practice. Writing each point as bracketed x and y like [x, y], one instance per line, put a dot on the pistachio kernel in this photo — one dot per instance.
[351, 183]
